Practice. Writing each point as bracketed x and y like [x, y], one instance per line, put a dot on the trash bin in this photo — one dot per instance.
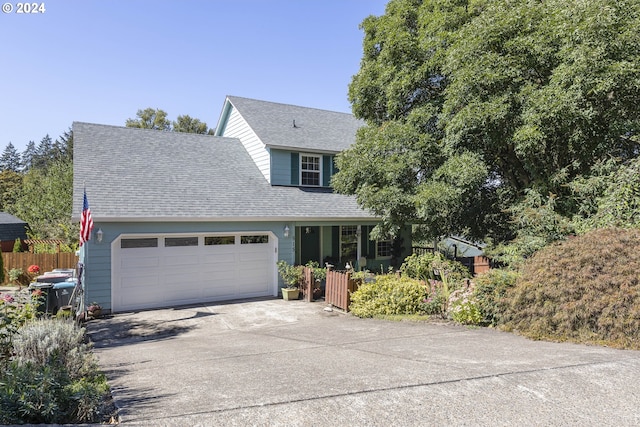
[55, 295]
[62, 291]
[45, 305]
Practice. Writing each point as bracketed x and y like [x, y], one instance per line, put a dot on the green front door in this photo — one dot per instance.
[309, 244]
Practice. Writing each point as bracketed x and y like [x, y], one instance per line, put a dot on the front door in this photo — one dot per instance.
[309, 244]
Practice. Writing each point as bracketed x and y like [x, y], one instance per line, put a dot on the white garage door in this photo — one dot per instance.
[170, 269]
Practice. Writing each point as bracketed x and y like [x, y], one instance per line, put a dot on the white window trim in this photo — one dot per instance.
[319, 157]
[343, 241]
[378, 256]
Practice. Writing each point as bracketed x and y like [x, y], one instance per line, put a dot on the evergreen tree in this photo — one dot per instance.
[10, 159]
[28, 156]
[44, 153]
[63, 146]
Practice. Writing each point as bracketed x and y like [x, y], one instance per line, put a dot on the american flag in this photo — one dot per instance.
[86, 222]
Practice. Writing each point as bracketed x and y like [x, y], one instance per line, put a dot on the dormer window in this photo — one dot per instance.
[310, 170]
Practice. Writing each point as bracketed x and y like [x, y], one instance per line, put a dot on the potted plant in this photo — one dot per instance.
[291, 276]
[319, 278]
[94, 310]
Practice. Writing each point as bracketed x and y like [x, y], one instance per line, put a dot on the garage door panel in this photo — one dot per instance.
[219, 258]
[252, 256]
[135, 261]
[220, 292]
[141, 298]
[133, 282]
[171, 260]
[167, 276]
[184, 296]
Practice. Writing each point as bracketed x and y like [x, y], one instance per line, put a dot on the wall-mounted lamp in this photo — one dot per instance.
[99, 235]
[286, 231]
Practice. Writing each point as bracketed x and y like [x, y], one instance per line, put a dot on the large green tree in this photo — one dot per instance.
[189, 124]
[45, 201]
[150, 118]
[471, 104]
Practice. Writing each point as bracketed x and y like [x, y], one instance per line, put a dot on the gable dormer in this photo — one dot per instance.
[291, 145]
[302, 169]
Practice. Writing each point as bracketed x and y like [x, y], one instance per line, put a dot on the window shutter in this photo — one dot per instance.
[295, 169]
[371, 244]
[335, 242]
[326, 170]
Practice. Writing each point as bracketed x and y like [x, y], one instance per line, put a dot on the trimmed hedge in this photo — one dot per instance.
[388, 294]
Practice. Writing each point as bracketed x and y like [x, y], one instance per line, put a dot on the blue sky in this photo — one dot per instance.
[100, 61]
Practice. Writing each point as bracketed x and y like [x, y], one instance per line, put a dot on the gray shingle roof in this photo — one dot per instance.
[139, 174]
[315, 130]
[12, 227]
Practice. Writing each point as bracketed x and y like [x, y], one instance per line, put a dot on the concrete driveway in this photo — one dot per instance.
[272, 362]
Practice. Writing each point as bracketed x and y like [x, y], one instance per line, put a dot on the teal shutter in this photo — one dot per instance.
[371, 244]
[326, 170]
[335, 243]
[295, 169]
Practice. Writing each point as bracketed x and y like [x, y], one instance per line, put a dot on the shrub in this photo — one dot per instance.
[319, 273]
[15, 311]
[43, 340]
[463, 307]
[291, 274]
[388, 294]
[436, 300]
[52, 377]
[490, 290]
[585, 289]
[433, 266]
[32, 393]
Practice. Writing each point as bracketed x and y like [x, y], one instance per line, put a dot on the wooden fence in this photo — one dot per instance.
[339, 288]
[307, 284]
[46, 262]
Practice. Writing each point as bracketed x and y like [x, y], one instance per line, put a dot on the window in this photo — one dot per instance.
[151, 242]
[348, 243]
[180, 241]
[384, 249]
[219, 240]
[310, 170]
[261, 238]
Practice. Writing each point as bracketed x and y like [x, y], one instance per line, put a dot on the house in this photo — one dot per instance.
[185, 218]
[11, 228]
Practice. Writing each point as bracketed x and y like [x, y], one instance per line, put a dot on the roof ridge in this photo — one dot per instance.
[230, 97]
[168, 132]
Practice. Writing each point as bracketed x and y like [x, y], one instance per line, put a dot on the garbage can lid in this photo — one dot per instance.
[64, 285]
[40, 285]
[52, 278]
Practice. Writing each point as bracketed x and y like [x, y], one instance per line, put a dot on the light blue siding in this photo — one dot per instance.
[280, 167]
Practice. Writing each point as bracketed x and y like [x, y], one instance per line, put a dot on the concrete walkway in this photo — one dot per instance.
[278, 363]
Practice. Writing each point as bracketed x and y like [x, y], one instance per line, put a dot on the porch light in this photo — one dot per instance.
[99, 235]
[286, 231]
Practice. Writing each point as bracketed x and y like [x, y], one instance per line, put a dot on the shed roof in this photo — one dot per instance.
[11, 227]
[140, 174]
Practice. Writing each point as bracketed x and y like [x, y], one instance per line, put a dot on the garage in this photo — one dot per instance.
[165, 270]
